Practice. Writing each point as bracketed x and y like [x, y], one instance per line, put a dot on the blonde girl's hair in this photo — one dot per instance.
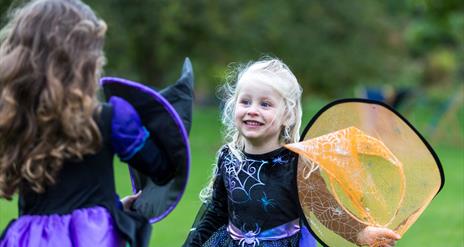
[266, 71]
[50, 62]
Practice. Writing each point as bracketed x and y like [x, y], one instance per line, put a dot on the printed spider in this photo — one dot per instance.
[250, 238]
[266, 202]
[278, 161]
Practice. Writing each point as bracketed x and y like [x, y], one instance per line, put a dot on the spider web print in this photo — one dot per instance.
[242, 177]
[341, 195]
[316, 200]
[340, 155]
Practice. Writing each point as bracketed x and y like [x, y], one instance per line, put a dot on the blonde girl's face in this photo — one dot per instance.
[259, 113]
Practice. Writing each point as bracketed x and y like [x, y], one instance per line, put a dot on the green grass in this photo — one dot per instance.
[442, 223]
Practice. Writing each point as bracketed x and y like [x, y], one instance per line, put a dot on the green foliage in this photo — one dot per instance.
[331, 46]
[434, 37]
[3, 11]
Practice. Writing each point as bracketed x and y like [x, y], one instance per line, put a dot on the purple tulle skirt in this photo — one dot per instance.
[83, 227]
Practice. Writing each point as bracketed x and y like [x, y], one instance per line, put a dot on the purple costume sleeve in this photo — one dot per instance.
[128, 135]
[131, 142]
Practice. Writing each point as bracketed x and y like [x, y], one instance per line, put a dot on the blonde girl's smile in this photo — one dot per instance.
[252, 123]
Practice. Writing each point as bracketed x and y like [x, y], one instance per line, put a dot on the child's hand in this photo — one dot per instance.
[129, 200]
[377, 237]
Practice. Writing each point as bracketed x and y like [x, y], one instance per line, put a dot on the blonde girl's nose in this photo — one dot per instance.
[252, 111]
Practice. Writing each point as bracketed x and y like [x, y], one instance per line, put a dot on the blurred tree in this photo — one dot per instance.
[332, 46]
[4, 5]
[435, 39]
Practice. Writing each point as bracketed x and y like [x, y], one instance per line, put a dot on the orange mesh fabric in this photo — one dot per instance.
[373, 169]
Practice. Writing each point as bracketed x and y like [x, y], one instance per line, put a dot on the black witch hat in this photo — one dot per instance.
[167, 115]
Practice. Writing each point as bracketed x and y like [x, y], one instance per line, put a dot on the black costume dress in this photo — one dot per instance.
[82, 208]
[254, 203]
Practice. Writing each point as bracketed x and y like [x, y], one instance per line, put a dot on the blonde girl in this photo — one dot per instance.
[252, 200]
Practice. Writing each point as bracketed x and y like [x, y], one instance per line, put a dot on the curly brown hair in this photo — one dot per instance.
[51, 55]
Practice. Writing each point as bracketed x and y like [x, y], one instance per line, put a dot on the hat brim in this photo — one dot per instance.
[168, 120]
[319, 194]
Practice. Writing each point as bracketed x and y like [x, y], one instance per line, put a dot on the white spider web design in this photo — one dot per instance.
[241, 177]
[345, 196]
[342, 155]
[316, 200]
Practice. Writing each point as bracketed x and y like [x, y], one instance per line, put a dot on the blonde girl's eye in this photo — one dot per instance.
[266, 104]
[245, 102]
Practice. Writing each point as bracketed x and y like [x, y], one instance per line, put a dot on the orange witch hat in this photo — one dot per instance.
[361, 163]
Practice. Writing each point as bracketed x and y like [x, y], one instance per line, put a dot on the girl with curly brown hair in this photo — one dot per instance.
[57, 141]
